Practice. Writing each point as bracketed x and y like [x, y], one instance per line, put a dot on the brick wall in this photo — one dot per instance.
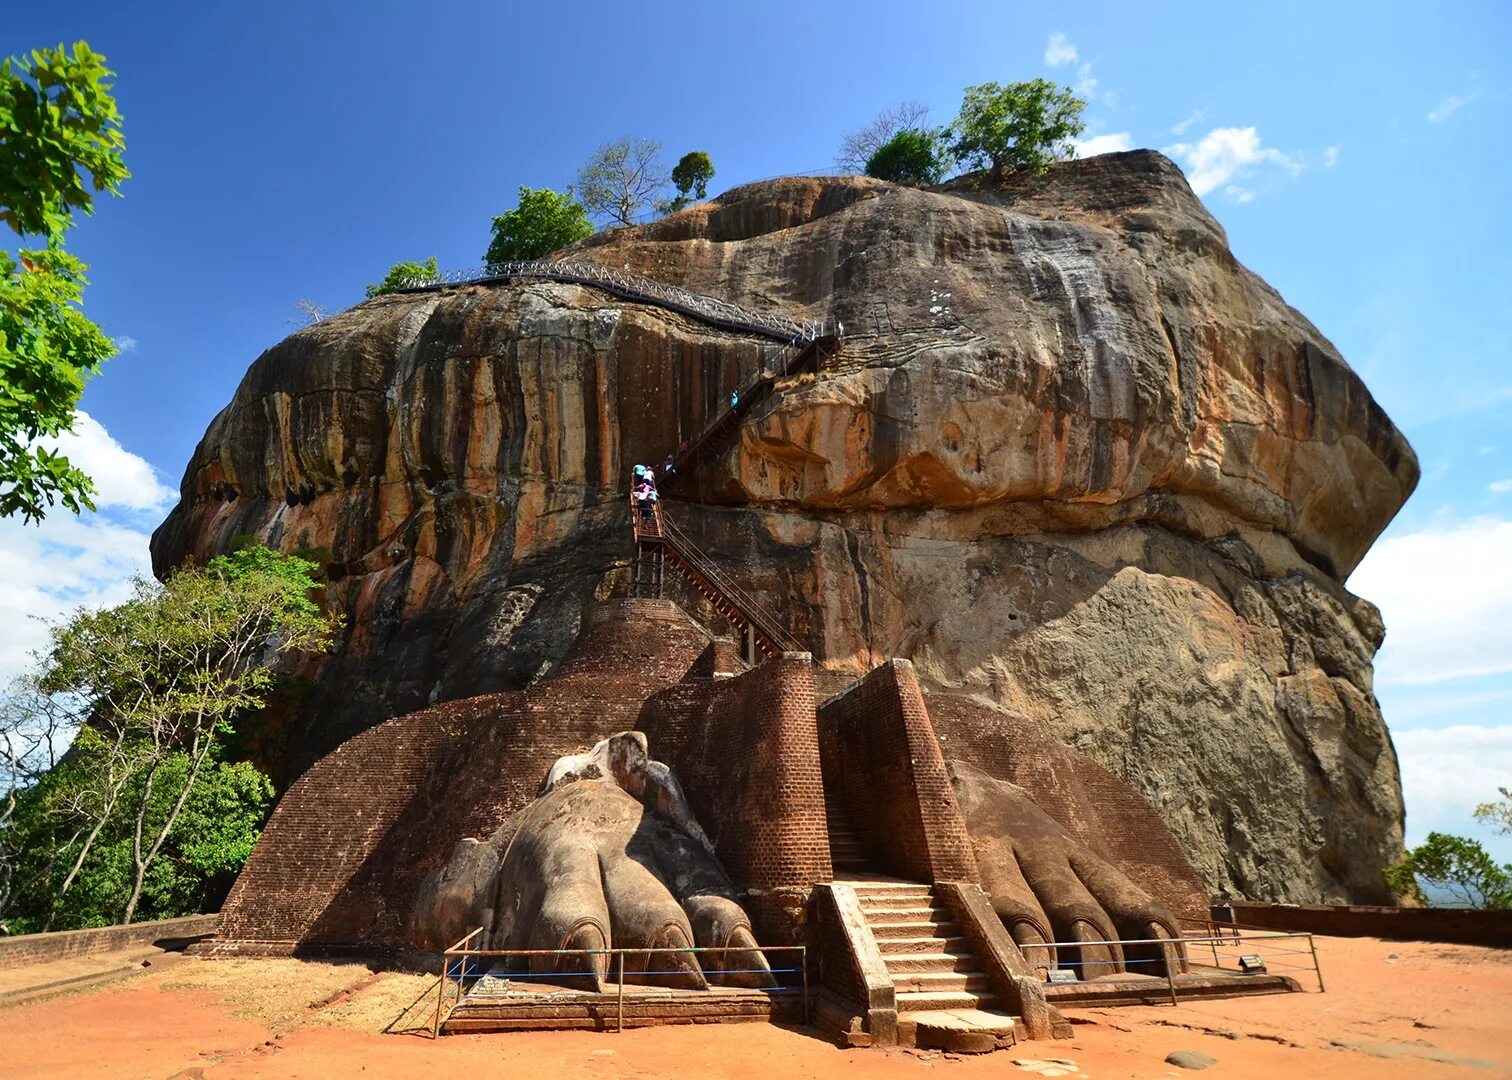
[1092, 804]
[24, 949]
[349, 843]
[882, 761]
[1464, 926]
[746, 751]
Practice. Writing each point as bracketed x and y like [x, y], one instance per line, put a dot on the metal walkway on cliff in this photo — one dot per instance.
[707, 309]
[657, 539]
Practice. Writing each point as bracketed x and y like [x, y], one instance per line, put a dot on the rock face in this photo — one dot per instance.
[1073, 459]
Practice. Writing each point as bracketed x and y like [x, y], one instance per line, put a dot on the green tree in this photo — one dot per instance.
[859, 146]
[1497, 813]
[909, 157]
[544, 221]
[621, 180]
[1457, 866]
[1024, 125]
[404, 275]
[691, 176]
[60, 143]
[161, 678]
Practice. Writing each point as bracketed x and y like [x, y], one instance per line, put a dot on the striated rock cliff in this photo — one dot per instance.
[1074, 460]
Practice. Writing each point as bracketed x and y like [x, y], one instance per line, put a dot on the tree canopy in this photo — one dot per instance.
[149, 690]
[62, 144]
[691, 176]
[1498, 812]
[544, 221]
[1456, 866]
[859, 146]
[621, 180]
[909, 157]
[403, 275]
[1024, 125]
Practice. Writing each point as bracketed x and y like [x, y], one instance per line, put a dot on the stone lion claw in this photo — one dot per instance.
[608, 856]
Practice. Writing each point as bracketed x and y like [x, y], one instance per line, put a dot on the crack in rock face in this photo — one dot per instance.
[1073, 459]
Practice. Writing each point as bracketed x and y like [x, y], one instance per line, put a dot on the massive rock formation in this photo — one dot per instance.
[1074, 460]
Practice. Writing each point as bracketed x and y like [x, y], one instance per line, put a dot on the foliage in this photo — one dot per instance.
[859, 146]
[60, 132]
[169, 673]
[403, 275]
[621, 180]
[1457, 866]
[1024, 125]
[307, 313]
[691, 175]
[63, 138]
[909, 157]
[543, 222]
[214, 835]
[1497, 813]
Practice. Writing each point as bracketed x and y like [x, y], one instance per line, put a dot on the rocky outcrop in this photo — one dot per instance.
[1074, 460]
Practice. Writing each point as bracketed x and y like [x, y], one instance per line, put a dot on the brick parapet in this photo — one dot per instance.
[882, 762]
[24, 949]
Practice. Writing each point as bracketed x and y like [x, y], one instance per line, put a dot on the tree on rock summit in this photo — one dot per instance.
[910, 157]
[691, 175]
[1024, 125]
[404, 275]
[621, 179]
[543, 222]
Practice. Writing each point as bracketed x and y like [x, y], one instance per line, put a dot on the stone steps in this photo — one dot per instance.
[903, 945]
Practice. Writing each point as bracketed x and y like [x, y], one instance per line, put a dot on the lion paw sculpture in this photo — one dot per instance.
[608, 855]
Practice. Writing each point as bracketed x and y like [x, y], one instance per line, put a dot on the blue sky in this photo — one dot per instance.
[287, 151]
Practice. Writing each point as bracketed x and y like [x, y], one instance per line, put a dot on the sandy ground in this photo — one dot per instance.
[1392, 1010]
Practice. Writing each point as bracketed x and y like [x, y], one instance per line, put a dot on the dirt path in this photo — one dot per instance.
[1392, 1010]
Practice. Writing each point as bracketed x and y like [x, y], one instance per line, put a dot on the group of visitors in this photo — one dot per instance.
[644, 487]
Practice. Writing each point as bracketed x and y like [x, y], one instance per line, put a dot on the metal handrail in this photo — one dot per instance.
[709, 309]
[764, 619]
[459, 950]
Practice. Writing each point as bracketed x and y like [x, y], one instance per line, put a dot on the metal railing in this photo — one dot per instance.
[457, 966]
[758, 614]
[715, 312]
[1233, 941]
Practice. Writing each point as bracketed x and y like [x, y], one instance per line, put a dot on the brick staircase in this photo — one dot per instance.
[944, 998]
[847, 856]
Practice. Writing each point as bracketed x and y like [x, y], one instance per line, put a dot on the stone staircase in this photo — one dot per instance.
[944, 998]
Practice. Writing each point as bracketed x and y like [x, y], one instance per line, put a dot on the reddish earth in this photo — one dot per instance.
[1392, 1010]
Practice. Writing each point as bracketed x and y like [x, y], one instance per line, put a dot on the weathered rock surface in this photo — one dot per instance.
[1074, 460]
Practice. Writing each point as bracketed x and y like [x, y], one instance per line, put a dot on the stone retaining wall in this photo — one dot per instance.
[26, 949]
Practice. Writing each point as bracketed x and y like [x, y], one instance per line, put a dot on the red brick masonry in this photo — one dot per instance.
[1463, 926]
[26, 949]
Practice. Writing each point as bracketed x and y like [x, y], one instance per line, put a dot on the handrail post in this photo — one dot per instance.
[1170, 979]
[440, 990]
[803, 963]
[620, 954]
[1317, 968]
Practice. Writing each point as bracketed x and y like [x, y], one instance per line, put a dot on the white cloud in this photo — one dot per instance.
[1086, 84]
[1451, 104]
[69, 561]
[1103, 144]
[1059, 51]
[1446, 597]
[1499, 487]
[1198, 115]
[122, 479]
[1447, 771]
[1238, 194]
[1226, 153]
[126, 343]
[1330, 157]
